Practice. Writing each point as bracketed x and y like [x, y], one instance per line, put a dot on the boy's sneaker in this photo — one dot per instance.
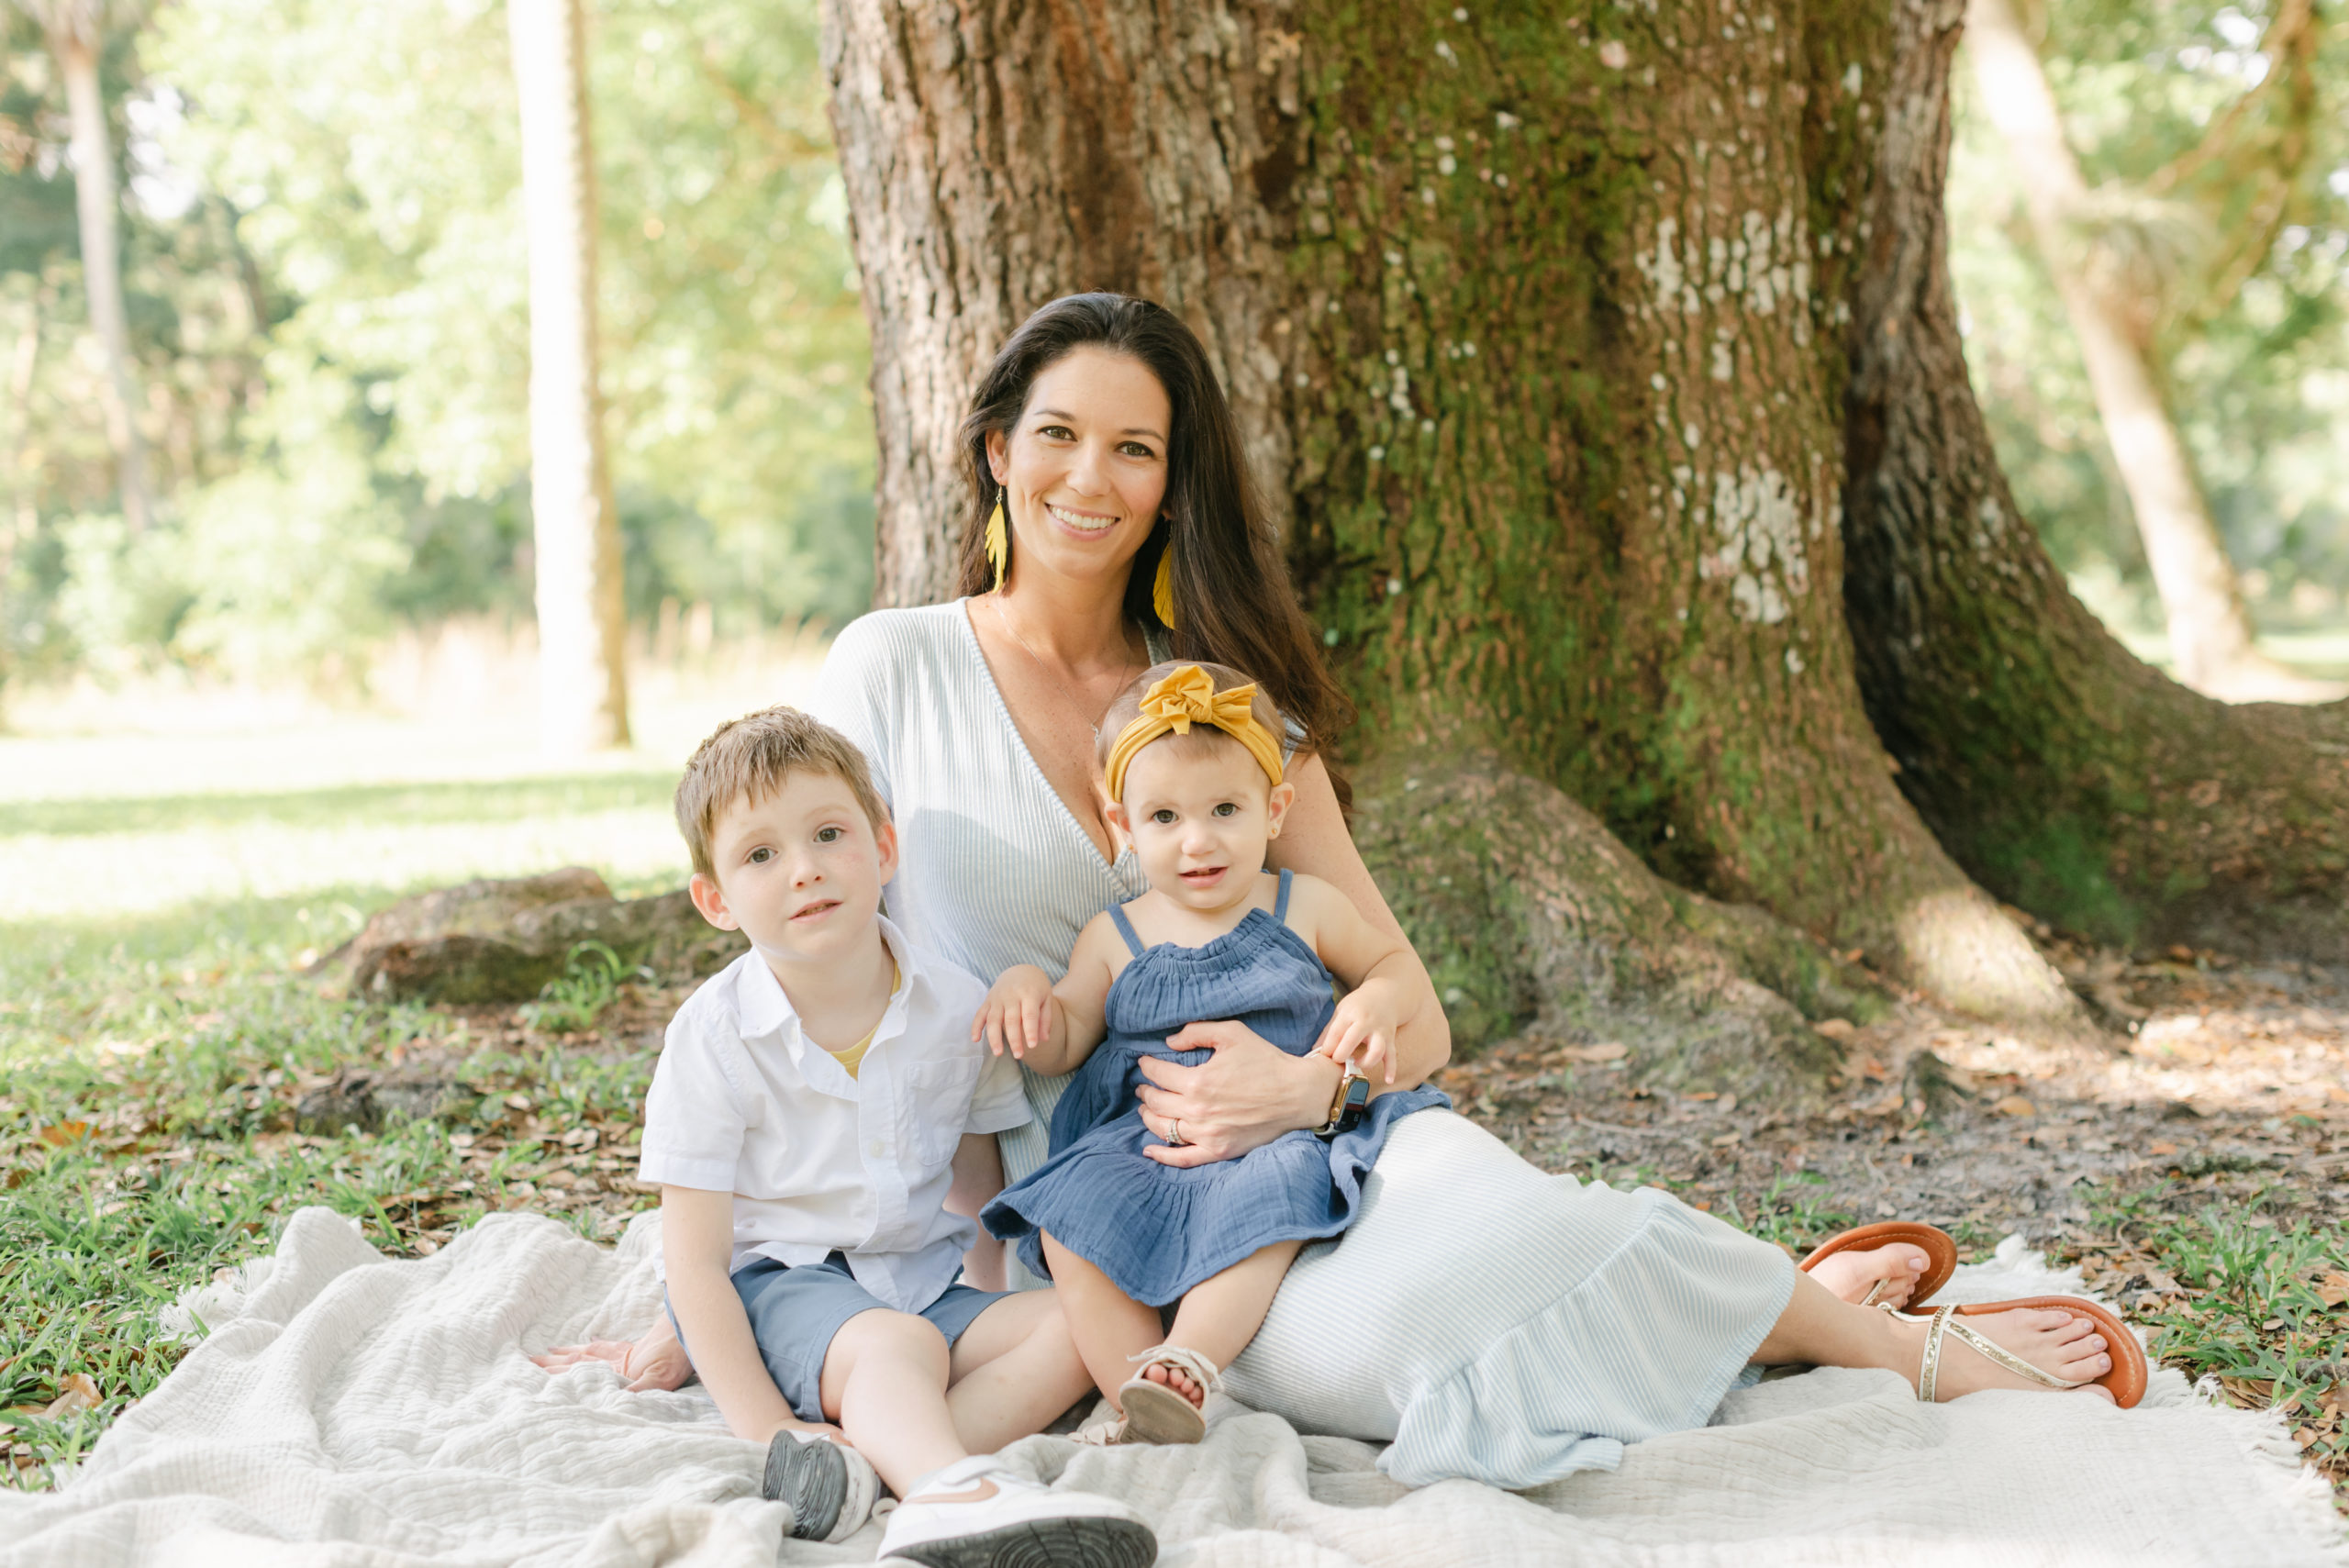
[830, 1486]
[977, 1514]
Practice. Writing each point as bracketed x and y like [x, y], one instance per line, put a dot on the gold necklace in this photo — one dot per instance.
[1125, 672]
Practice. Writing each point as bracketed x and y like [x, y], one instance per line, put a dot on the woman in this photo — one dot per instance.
[1487, 1319]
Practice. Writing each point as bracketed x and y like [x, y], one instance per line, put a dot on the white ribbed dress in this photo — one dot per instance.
[1488, 1321]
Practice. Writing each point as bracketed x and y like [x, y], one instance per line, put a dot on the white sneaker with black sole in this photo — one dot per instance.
[830, 1486]
[976, 1513]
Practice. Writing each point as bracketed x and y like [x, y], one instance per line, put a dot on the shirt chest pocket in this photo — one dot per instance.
[940, 1104]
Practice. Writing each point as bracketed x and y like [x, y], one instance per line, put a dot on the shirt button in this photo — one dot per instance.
[876, 1148]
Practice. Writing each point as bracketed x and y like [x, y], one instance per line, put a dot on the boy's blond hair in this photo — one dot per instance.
[747, 760]
[1126, 707]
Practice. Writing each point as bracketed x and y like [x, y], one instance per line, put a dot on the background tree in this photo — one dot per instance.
[2215, 142]
[77, 32]
[2114, 310]
[582, 623]
[1584, 350]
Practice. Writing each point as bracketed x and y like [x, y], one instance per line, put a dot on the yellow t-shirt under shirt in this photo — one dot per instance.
[855, 1053]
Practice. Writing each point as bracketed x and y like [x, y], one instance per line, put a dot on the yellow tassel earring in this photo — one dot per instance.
[1162, 589]
[999, 542]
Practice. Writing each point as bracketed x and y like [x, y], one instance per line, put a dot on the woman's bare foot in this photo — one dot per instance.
[1850, 1275]
[2057, 1342]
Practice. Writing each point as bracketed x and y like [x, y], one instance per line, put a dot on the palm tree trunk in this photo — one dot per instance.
[582, 680]
[94, 198]
[2209, 635]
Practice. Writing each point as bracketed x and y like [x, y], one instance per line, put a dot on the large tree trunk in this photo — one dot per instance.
[2066, 775]
[1534, 323]
[2210, 631]
[583, 681]
[75, 39]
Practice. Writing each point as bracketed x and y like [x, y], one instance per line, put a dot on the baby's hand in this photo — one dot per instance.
[1361, 1032]
[1018, 1012]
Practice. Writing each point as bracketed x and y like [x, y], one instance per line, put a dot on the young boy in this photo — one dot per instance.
[822, 1129]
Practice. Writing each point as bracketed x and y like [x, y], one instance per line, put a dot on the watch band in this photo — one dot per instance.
[1347, 1106]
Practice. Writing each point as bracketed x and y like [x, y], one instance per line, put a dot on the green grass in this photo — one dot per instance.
[2257, 1302]
[154, 1051]
[463, 801]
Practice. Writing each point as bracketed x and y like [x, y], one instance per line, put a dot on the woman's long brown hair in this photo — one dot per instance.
[1233, 604]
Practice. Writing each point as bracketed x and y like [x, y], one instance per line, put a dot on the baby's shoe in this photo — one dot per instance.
[978, 1513]
[829, 1486]
[1155, 1413]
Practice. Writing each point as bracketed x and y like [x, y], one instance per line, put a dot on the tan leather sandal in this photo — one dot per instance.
[1939, 1249]
[1155, 1413]
[2125, 1382]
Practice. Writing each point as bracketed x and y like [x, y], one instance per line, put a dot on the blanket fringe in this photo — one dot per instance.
[2299, 1489]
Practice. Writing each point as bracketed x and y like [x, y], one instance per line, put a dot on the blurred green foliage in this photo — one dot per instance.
[324, 262]
[2258, 364]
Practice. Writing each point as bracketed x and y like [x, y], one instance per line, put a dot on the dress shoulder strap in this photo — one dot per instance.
[1280, 899]
[1126, 927]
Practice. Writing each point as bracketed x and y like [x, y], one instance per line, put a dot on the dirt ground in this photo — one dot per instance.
[2231, 1079]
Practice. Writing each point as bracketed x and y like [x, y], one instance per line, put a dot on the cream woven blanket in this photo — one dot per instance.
[350, 1410]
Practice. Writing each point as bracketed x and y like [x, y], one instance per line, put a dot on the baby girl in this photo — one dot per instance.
[1192, 768]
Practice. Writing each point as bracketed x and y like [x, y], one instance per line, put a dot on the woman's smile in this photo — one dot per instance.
[1088, 524]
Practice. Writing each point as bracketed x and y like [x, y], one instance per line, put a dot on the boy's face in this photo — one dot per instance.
[1200, 817]
[800, 873]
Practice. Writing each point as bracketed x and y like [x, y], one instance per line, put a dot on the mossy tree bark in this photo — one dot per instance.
[1537, 321]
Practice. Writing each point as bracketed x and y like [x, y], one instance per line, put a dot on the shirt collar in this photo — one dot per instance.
[765, 1010]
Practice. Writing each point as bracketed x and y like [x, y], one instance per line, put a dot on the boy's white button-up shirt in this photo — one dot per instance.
[818, 1161]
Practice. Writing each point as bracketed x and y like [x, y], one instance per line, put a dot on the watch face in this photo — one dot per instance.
[1357, 1092]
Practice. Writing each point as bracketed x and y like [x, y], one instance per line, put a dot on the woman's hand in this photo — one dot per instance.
[655, 1360]
[1021, 1012]
[1246, 1095]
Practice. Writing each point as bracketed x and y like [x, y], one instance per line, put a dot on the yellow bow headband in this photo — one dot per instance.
[1186, 697]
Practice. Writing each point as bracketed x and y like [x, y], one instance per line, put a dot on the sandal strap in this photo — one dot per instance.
[1928, 1366]
[2008, 1359]
[1944, 1321]
[1189, 1362]
[1108, 1433]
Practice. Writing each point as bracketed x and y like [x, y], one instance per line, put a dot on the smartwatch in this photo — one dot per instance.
[1347, 1106]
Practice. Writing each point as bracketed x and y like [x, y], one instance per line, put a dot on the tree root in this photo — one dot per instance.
[1534, 918]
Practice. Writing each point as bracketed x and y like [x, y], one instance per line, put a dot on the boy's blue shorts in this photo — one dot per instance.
[794, 1312]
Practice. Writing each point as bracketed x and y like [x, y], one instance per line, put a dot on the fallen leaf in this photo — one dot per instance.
[64, 1132]
[1726, 1138]
[2333, 1288]
[80, 1394]
[2161, 1148]
[1835, 1029]
[1610, 1052]
[2015, 1104]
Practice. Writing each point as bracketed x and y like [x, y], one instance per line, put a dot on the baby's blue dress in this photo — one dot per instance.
[1156, 1230]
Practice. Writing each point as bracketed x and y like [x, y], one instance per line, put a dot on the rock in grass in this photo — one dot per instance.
[362, 1099]
[500, 939]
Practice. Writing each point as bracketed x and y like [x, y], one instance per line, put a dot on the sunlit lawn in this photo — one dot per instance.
[159, 891]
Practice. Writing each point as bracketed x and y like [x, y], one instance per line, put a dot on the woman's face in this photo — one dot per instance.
[1084, 470]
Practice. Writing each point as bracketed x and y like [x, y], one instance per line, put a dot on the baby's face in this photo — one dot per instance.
[800, 873]
[1200, 817]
